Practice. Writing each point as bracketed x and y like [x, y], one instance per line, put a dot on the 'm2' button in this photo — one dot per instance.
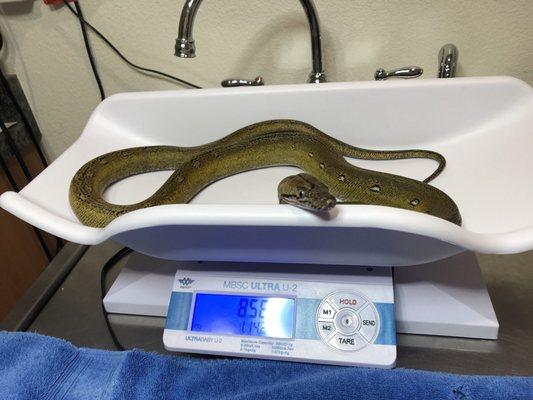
[327, 329]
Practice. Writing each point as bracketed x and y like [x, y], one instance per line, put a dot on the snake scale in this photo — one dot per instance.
[327, 176]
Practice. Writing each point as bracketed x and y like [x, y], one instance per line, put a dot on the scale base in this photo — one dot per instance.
[445, 298]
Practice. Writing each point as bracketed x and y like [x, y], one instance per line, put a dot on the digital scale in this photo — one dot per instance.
[325, 314]
[240, 219]
[292, 315]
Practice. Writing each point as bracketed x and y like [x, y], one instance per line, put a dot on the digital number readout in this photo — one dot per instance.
[243, 315]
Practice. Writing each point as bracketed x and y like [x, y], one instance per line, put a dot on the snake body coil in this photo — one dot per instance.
[265, 144]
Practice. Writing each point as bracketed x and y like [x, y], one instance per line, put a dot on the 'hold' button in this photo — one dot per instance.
[347, 299]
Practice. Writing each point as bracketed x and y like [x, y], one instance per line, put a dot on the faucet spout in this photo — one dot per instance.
[185, 47]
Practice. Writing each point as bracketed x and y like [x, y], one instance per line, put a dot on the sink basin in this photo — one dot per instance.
[483, 126]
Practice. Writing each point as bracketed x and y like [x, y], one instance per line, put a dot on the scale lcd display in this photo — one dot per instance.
[244, 315]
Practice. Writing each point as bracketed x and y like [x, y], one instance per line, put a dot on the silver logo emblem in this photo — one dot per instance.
[185, 282]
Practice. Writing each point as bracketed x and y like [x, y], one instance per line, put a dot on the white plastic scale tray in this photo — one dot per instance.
[483, 126]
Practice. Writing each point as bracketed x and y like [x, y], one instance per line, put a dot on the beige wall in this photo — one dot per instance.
[249, 37]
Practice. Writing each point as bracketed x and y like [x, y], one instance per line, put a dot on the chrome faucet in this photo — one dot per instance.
[403, 72]
[185, 47]
[448, 56]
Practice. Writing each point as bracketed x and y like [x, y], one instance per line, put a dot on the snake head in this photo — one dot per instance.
[307, 192]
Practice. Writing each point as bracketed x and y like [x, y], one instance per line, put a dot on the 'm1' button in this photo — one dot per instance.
[326, 311]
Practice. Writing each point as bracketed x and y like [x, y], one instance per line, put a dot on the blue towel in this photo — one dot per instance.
[35, 367]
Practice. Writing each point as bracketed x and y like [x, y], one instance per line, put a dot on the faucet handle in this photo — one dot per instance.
[448, 55]
[234, 82]
[403, 72]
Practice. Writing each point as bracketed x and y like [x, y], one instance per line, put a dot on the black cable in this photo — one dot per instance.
[15, 187]
[10, 178]
[23, 118]
[103, 274]
[131, 64]
[40, 237]
[89, 51]
[59, 245]
[13, 147]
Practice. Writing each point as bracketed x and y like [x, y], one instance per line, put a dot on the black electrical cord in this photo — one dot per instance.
[89, 51]
[27, 174]
[131, 64]
[15, 187]
[18, 108]
[119, 255]
[12, 145]
[10, 178]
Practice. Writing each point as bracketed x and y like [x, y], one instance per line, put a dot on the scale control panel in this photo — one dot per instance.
[347, 321]
[282, 313]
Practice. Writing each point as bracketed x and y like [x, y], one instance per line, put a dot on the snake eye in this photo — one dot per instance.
[301, 194]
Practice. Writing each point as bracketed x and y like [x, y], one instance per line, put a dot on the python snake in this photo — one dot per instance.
[328, 177]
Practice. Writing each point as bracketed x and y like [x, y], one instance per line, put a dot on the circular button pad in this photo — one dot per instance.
[347, 321]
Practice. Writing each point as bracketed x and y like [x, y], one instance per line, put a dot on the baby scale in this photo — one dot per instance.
[330, 314]
[358, 276]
